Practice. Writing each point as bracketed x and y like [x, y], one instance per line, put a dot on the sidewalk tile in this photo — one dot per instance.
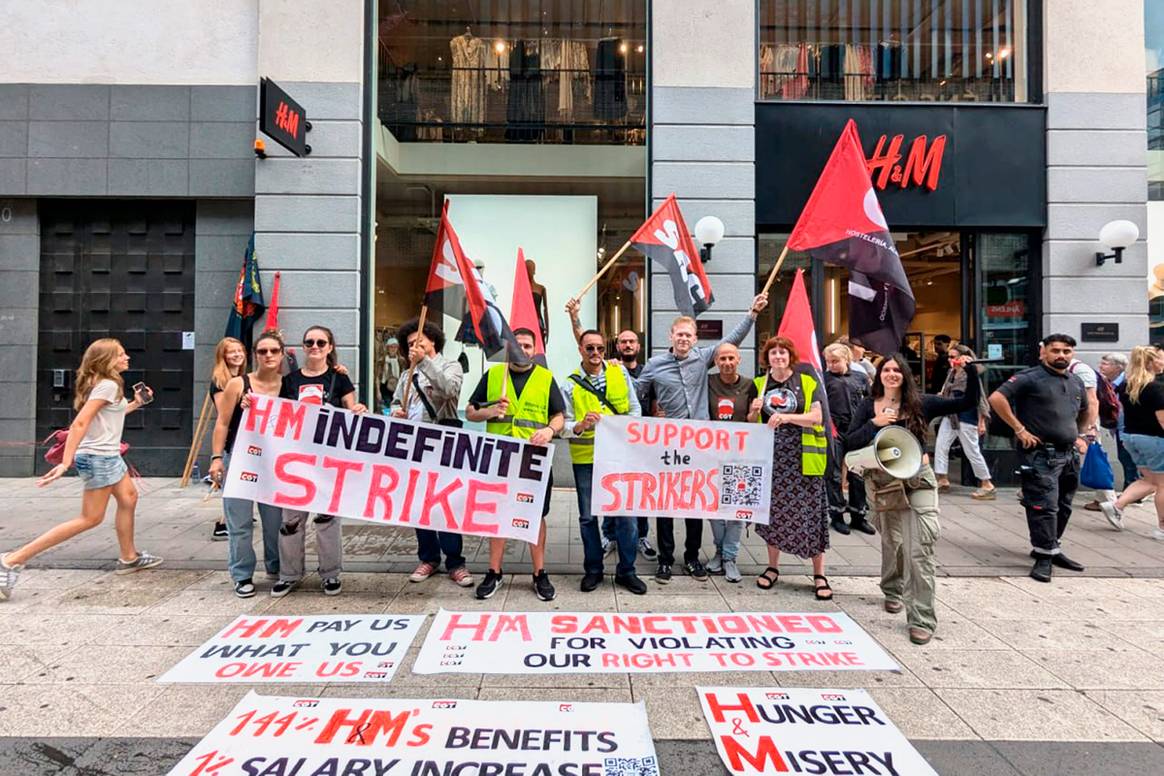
[1054, 634]
[1102, 669]
[160, 630]
[110, 665]
[1036, 715]
[75, 709]
[393, 690]
[1142, 710]
[583, 681]
[1148, 636]
[46, 629]
[976, 668]
[25, 663]
[649, 680]
[954, 632]
[920, 713]
[58, 579]
[561, 695]
[674, 713]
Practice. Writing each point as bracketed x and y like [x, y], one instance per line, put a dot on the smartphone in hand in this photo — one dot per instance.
[144, 393]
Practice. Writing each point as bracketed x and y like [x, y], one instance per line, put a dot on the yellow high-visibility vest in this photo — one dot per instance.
[617, 393]
[528, 412]
[813, 442]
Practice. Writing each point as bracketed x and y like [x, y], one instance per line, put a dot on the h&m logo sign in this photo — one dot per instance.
[922, 166]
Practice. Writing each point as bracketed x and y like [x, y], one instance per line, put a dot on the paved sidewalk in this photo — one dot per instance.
[978, 538]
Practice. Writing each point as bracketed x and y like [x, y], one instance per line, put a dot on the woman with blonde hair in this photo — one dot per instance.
[230, 361]
[1143, 411]
[94, 446]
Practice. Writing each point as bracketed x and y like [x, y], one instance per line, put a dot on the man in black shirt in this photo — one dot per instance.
[1050, 407]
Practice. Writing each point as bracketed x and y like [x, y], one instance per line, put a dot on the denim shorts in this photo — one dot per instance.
[99, 471]
[1146, 451]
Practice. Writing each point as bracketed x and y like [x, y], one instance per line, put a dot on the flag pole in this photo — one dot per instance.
[610, 262]
[412, 366]
[772, 274]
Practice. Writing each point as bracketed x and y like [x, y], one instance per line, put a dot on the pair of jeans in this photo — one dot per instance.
[1131, 473]
[430, 545]
[665, 529]
[625, 529]
[608, 527]
[727, 534]
[240, 533]
[1049, 480]
[293, 545]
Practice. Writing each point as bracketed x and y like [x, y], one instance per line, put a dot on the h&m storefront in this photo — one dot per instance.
[963, 189]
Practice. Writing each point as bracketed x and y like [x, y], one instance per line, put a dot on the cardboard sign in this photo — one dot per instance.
[596, 642]
[333, 648]
[398, 737]
[388, 471]
[682, 468]
[786, 730]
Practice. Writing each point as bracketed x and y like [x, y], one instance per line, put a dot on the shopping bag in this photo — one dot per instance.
[1096, 472]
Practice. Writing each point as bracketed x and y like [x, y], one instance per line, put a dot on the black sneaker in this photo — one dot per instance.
[696, 570]
[332, 586]
[859, 523]
[663, 573]
[244, 588]
[838, 524]
[1042, 569]
[219, 533]
[541, 585]
[590, 582]
[282, 588]
[490, 585]
[632, 583]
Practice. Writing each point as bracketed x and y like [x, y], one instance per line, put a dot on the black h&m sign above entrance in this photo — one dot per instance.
[283, 119]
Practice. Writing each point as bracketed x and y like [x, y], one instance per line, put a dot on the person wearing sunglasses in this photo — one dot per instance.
[265, 380]
[595, 389]
[316, 382]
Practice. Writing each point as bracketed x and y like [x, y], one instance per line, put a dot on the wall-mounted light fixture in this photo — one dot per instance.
[1116, 236]
[708, 231]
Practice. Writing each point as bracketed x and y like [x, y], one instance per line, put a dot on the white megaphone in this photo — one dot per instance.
[894, 451]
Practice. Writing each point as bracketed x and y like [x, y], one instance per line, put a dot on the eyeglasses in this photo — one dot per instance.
[315, 343]
[595, 348]
[268, 351]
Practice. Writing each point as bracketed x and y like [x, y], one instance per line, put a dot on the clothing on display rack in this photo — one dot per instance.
[399, 94]
[467, 97]
[569, 62]
[610, 81]
[525, 114]
[859, 81]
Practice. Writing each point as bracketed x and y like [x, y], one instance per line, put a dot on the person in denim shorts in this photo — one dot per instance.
[94, 447]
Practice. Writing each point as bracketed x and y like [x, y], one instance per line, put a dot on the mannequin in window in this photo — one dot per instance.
[541, 303]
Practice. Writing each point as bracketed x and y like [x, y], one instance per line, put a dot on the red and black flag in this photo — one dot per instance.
[247, 304]
[842, 224]
[458, 289]
[664, 237]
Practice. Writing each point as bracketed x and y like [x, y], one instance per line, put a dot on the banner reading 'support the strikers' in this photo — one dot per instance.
[761, 730]
[682, 468]
[329, 647]
[388, 471]
[399, 737]
[597, 642]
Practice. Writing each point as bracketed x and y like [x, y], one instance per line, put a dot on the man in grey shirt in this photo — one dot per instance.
[678, 381]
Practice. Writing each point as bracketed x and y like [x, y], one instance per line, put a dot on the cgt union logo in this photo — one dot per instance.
[249, 477]
[525, 498]
[743, 514]
[520, 522]
[777, 696]
[254, 450]
[825, 696]
[375, 675]
[305, 704]
[444, 704]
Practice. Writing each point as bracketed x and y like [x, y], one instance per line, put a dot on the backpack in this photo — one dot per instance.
[1109, 403]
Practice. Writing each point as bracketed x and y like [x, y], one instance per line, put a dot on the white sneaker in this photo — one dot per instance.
[731, 572]
[715, 565]
[1158, 534]
[1114, 515]
[8, 576]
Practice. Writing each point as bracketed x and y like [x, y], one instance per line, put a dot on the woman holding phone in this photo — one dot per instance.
[266, 380]
[230, 361]
[94, 447]
[316, 382]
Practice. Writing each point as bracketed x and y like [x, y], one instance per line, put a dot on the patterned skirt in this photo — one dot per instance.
[798, 521]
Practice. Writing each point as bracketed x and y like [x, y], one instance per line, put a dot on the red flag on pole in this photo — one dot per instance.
[523, 314]
[273, 308]
[797, 323]
[842, 223]
[664, 237]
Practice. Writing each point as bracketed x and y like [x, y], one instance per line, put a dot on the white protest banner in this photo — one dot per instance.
[682, 468]
[595, 642]
[388, 471]
[334, 648]
[792, 730]
[399, 737]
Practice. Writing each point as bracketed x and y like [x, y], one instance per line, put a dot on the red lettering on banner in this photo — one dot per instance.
[682, 435]
[922, 167]
[264, 670]
[410, 491]
[607, 484]
[718, 708]
[286, 478]
[766, 750]
[341, 669]
[366, 727]
[342, 467]
[264, 629]
[822, 623]
[290, 416]
[434, 497]
[378, 492]
[504, 622]
[474, 505]
[259, 414]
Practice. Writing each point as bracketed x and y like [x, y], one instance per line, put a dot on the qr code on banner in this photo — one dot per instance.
[740, 485]
[630, 766]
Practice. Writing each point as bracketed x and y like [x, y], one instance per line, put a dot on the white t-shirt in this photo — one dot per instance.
[1084, 372]
[104, 434]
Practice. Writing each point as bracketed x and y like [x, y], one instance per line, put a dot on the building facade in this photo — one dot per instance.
[1001, 138]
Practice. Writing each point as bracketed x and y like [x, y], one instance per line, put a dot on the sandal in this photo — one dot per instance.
[982, 494]
[820, 589]
[943, 487]
[770, 576]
